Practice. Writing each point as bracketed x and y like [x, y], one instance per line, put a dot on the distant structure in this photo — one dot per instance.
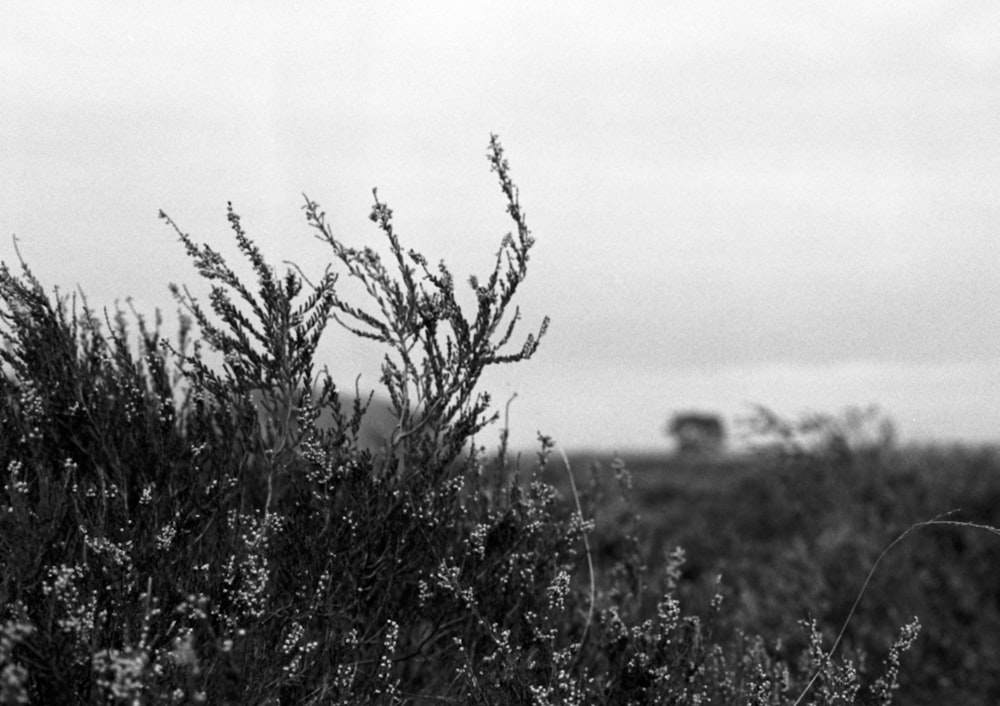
[697, 433]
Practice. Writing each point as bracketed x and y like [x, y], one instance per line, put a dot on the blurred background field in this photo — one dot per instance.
[793, 536]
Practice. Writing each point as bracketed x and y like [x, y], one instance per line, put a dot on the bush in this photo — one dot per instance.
[175, 533]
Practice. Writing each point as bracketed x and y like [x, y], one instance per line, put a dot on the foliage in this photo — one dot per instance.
[855, 432]
[197, 537]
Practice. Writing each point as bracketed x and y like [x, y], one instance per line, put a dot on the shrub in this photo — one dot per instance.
[176, 533]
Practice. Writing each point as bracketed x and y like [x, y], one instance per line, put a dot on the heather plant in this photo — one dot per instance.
[175, 531]
[436, 355]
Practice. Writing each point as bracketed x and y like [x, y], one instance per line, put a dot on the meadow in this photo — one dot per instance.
[178, 527]
[794, 536]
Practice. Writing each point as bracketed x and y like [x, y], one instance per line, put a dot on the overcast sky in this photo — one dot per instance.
[787, 203]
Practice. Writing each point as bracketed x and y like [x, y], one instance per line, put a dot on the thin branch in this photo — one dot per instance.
[590, 559]
[936, 521]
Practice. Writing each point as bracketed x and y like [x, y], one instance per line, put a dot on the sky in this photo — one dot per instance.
[792, 204]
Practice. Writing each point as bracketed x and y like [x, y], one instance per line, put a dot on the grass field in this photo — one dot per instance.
[794, 538]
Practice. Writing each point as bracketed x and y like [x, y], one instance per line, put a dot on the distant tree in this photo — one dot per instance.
[697, 433]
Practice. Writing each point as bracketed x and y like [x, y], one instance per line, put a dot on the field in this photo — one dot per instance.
[793, 539]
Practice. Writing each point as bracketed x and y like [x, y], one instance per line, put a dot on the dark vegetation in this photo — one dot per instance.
[177, 528]
[793, 538]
